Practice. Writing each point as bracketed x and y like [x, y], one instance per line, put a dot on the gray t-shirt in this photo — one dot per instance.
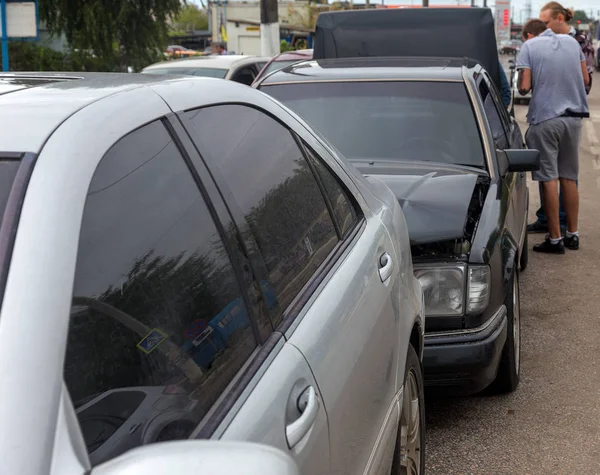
[557, 80]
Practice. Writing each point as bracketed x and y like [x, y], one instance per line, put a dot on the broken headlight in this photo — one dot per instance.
[452, 290]
[443, 289]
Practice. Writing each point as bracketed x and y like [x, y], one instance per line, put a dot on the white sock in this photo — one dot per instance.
[555, 241]
[576, 233]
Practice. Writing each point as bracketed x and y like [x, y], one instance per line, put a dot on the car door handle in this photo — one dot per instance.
[308, 405]
[386, 265]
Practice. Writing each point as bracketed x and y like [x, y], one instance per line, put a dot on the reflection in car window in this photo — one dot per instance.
[158, 327]
[276, 65]
[344, 211]
[203, 72]
[493, 116]
[423, 121]
[261, 164]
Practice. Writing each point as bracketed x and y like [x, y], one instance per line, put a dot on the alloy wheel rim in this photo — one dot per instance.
[516, 325]
[410, 429]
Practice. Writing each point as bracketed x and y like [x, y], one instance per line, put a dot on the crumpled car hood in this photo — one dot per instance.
[435, 199]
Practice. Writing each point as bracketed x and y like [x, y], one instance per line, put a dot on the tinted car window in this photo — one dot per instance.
[343, 208]
[8, 172]
[245, 75]
[259, 164]
[423, 121]
[494, 118]
[158, 326]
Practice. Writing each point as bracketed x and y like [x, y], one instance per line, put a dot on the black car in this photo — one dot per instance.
[435, 131]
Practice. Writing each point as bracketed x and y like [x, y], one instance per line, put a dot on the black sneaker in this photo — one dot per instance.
[537, 227]
[572, 242]
[549, 248]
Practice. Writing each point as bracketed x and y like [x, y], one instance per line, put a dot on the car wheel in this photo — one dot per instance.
[409, 456]
[509, 370]
[524, 260]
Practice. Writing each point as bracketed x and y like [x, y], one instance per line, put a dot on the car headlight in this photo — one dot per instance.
[443, 289]
[450, 290]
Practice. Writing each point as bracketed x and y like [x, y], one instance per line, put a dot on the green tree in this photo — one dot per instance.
[190, 18]
[120, 32]
[580, 15]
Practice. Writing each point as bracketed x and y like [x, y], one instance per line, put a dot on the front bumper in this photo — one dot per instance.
[465, 361]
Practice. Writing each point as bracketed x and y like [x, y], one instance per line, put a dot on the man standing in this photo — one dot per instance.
[555, 66]
[556, 17]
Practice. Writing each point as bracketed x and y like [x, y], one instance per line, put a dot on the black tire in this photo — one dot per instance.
[405, 457]
[509, 371]
[524, 259]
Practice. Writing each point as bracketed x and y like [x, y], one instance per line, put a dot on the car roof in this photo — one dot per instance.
[372, 68]
[215, 61]
[33, 105]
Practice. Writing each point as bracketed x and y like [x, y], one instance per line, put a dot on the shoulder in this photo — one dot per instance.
[567, 39]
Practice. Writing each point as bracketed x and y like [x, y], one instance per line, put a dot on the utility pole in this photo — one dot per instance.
[270, 43]
[425, 3]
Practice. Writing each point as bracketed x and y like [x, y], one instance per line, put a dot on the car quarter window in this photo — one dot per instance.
[244, 75]
[494, 115]
[344, 209]
[263, 173]
[158, 326]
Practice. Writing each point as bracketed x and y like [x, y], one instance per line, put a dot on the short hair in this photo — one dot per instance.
[557, 9]
[534, 27]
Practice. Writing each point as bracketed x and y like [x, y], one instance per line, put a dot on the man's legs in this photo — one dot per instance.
[546, 137]
[568, 170]
[541, 224]
[571, 196]
[551, 207]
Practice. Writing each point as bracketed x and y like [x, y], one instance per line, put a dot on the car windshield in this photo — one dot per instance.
[403, 120]
[204, 72]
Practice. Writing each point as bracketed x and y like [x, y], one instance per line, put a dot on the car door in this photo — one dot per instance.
[506, 136]
[330, 271]
[286, 234]
[165, 334]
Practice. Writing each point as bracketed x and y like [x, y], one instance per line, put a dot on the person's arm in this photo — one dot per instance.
[524, 70]
[524, 81]
[586, 73]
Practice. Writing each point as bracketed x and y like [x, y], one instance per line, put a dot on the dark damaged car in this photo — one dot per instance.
[434, 130]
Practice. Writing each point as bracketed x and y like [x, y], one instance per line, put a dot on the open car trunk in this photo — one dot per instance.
[430, 32]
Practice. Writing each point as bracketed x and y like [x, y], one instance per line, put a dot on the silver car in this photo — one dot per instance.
[183, 258]
[239, 68]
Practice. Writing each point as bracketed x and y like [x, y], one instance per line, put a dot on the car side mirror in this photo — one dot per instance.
[519, 160]
[204, 457]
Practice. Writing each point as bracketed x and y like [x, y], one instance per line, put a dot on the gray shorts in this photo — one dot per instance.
[558, 142]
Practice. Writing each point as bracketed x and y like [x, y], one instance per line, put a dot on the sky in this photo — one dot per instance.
[518, 5]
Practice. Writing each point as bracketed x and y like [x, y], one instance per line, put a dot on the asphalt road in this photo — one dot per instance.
[551, 424]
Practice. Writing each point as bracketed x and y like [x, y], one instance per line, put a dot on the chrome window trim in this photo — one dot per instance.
[497, 316]
[487, 145]
[316, 81]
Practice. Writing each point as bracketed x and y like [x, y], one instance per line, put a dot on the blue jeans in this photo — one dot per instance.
[541, 214]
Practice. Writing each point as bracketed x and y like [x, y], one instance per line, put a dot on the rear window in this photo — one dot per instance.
[390, 121]
[276, 65]
[203, 72]
[8, 171]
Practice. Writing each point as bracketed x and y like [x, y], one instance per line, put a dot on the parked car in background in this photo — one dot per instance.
[238, 68]
[436, 132]
[284, 59]
[178, 51]
[510, 47]
[206, 268]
